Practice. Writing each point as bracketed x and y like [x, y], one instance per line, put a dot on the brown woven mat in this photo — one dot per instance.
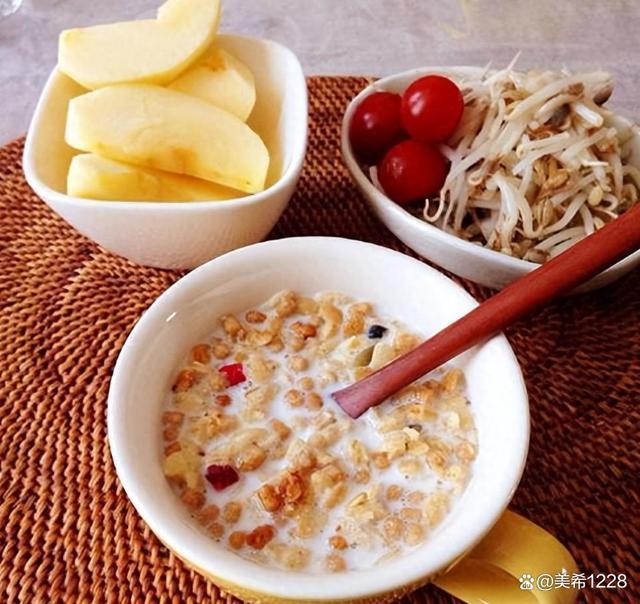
[69, 532]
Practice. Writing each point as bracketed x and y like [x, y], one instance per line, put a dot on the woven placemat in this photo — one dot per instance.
[69, 533]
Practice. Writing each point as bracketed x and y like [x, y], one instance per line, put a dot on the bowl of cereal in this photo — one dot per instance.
[240, 461]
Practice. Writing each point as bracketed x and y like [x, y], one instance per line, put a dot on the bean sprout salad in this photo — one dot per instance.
[536, 163]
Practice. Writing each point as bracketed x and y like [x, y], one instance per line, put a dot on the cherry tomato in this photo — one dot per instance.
[411, 171]
[431, 108]
[375, 126]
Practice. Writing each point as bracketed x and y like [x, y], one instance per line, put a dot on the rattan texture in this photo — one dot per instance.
[69, 534]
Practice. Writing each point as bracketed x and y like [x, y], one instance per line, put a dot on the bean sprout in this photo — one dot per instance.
[536, 164]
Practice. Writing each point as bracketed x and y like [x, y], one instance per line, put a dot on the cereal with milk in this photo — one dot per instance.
[273, 469]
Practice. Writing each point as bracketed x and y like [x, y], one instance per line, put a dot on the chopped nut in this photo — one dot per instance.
[298, 364]
[201, 353]
[193, 499]
[362, 476]
[380, 460]
[259, 369]
[294, 398]
[296, 343]
[270, 498]
[251, 458]
[452, 380]
[291, 487]
[218, 381]
[306, 383]
[237, 539]
[415, 497]
[335, 563]
[410, 467]
[172, 418]
[304, 330]
[392, 528]
[276, 344]
[405, 342]
[293, 557]
[208, 514]
[354, 323]
[186, 379]
[223, 400]
[313, 401]
[413, 534]
[286, 303]
[260, 536]
[256, 337]
[216, 530]
[171, 433]
[394, 492]
[280, 428]
[220, 350]
[335, 495]
[232, 326]
[466, 451]
[255, 316]
[174, 447]
[231, 512]
[411, 514]
[338, 542]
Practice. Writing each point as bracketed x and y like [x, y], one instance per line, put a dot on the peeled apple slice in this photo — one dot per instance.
[221, 79]
[153, 51]
[160, 128]
[94, 177]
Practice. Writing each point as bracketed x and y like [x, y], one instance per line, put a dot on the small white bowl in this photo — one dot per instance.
[398, 286]
[463, 258]
[181, 234]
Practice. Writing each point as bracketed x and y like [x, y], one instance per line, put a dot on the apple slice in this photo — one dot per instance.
[153, 51]
[221, 79]
[160, 128]
[94, 177]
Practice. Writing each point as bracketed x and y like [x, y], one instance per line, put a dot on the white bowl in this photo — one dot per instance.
[463, 258]
[399, 286]
[184, 234]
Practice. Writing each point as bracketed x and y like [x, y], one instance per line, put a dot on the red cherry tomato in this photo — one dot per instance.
[375, 126]
[431, 108]
[411, 171]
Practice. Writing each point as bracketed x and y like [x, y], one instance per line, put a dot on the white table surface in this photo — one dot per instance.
[375, 37]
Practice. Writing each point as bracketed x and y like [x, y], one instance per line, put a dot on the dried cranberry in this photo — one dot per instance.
[221, 477]
[234, 373]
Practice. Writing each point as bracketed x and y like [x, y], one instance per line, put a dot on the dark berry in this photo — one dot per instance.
[376, 332]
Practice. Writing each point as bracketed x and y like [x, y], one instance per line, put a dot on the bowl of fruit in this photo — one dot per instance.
[490, 173]
[165, 142]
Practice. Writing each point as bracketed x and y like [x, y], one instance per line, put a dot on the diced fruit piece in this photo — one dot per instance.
[168, 130]
[153, 51]
[94, 177]
[431, 108]
[412, 171]
[376, 332]
[234, 373]
[219, 78]
[221, 476]
[375, 126]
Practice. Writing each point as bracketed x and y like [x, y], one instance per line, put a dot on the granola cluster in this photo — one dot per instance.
[272, 468]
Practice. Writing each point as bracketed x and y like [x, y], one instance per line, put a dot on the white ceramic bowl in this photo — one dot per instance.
[181, 235]
[462, 258]
[399, 286]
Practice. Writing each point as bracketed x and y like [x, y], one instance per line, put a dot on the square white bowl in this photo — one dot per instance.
[181, 234]
[398, 286]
